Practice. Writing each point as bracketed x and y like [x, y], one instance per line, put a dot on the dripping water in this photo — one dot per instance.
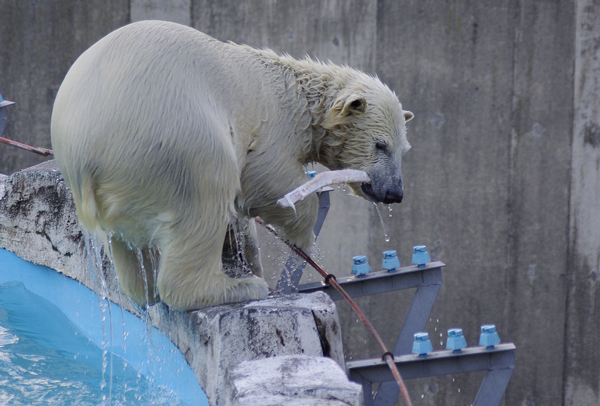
[144, 310]
[99, 277]
[112, 266]
[94, 258]
[385, 234]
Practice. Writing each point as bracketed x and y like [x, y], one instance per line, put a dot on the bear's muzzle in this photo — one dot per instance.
[393, 193]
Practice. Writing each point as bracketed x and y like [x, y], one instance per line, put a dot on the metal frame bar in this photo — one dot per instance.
[499, 362]
[3, 117]
[382, 281]
[427, 280]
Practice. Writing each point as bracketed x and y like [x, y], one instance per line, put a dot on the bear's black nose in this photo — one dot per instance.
[393, 196]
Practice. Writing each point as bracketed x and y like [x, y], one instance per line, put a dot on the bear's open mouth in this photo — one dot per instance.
[369, 193]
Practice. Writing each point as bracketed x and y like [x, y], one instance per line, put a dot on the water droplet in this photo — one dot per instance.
[458, 390]
[422, 396]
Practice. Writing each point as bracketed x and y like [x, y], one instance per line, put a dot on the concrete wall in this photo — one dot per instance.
[39, 40]
[501, 184]
[582, 359]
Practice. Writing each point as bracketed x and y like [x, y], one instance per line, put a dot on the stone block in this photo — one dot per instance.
[297, 380]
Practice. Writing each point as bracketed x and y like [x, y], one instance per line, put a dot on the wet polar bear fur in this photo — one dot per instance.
[166, 135]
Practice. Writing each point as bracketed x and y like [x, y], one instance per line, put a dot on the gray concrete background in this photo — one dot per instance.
[502, 183]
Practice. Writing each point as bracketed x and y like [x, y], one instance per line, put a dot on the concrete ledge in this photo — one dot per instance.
[38, 223]
[216, 339]
[291, 380]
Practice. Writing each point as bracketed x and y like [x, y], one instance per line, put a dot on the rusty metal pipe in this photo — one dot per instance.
[387, 356]
[39, 151]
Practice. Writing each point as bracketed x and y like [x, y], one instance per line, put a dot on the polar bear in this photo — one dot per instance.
[166, 136]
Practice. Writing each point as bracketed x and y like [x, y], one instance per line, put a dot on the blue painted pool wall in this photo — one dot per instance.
[82, 306]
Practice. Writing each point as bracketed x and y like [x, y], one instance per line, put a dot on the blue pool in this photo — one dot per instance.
[56, 347]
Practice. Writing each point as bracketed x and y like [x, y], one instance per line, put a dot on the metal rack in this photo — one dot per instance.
[499, 361]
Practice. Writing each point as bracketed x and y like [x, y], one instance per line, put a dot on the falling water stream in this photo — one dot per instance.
[385, 234]
[97, 268]
[94, 258]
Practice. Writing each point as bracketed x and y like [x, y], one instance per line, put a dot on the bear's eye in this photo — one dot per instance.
[381, 146]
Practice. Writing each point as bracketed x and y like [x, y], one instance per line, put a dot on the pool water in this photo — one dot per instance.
[46, 360]
[61, 344]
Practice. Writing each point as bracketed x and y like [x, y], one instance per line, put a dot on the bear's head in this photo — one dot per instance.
[365, 128]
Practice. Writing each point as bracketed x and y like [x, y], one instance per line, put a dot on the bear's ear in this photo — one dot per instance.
[354, 105]
[343, 109]
[408, 115]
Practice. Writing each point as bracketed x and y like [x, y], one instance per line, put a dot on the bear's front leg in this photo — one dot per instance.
[297, 224]
[191, 271]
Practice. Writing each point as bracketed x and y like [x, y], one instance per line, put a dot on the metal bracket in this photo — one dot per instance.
[499, 362]
[3, 115]
[294, 267]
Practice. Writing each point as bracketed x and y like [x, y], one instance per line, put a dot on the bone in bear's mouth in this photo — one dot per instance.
[321, 180]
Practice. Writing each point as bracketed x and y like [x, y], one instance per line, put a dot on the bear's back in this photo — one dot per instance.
[154, 85]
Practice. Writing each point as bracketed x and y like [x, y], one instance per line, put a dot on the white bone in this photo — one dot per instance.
[321, 180]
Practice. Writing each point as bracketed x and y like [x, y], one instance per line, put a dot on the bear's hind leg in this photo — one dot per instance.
[137, 278]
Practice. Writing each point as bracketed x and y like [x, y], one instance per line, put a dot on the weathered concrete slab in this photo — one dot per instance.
[487, 179]
[582, 363]
[215, 340]
[296, 380]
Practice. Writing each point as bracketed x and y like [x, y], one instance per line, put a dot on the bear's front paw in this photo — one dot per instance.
[250, 289]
